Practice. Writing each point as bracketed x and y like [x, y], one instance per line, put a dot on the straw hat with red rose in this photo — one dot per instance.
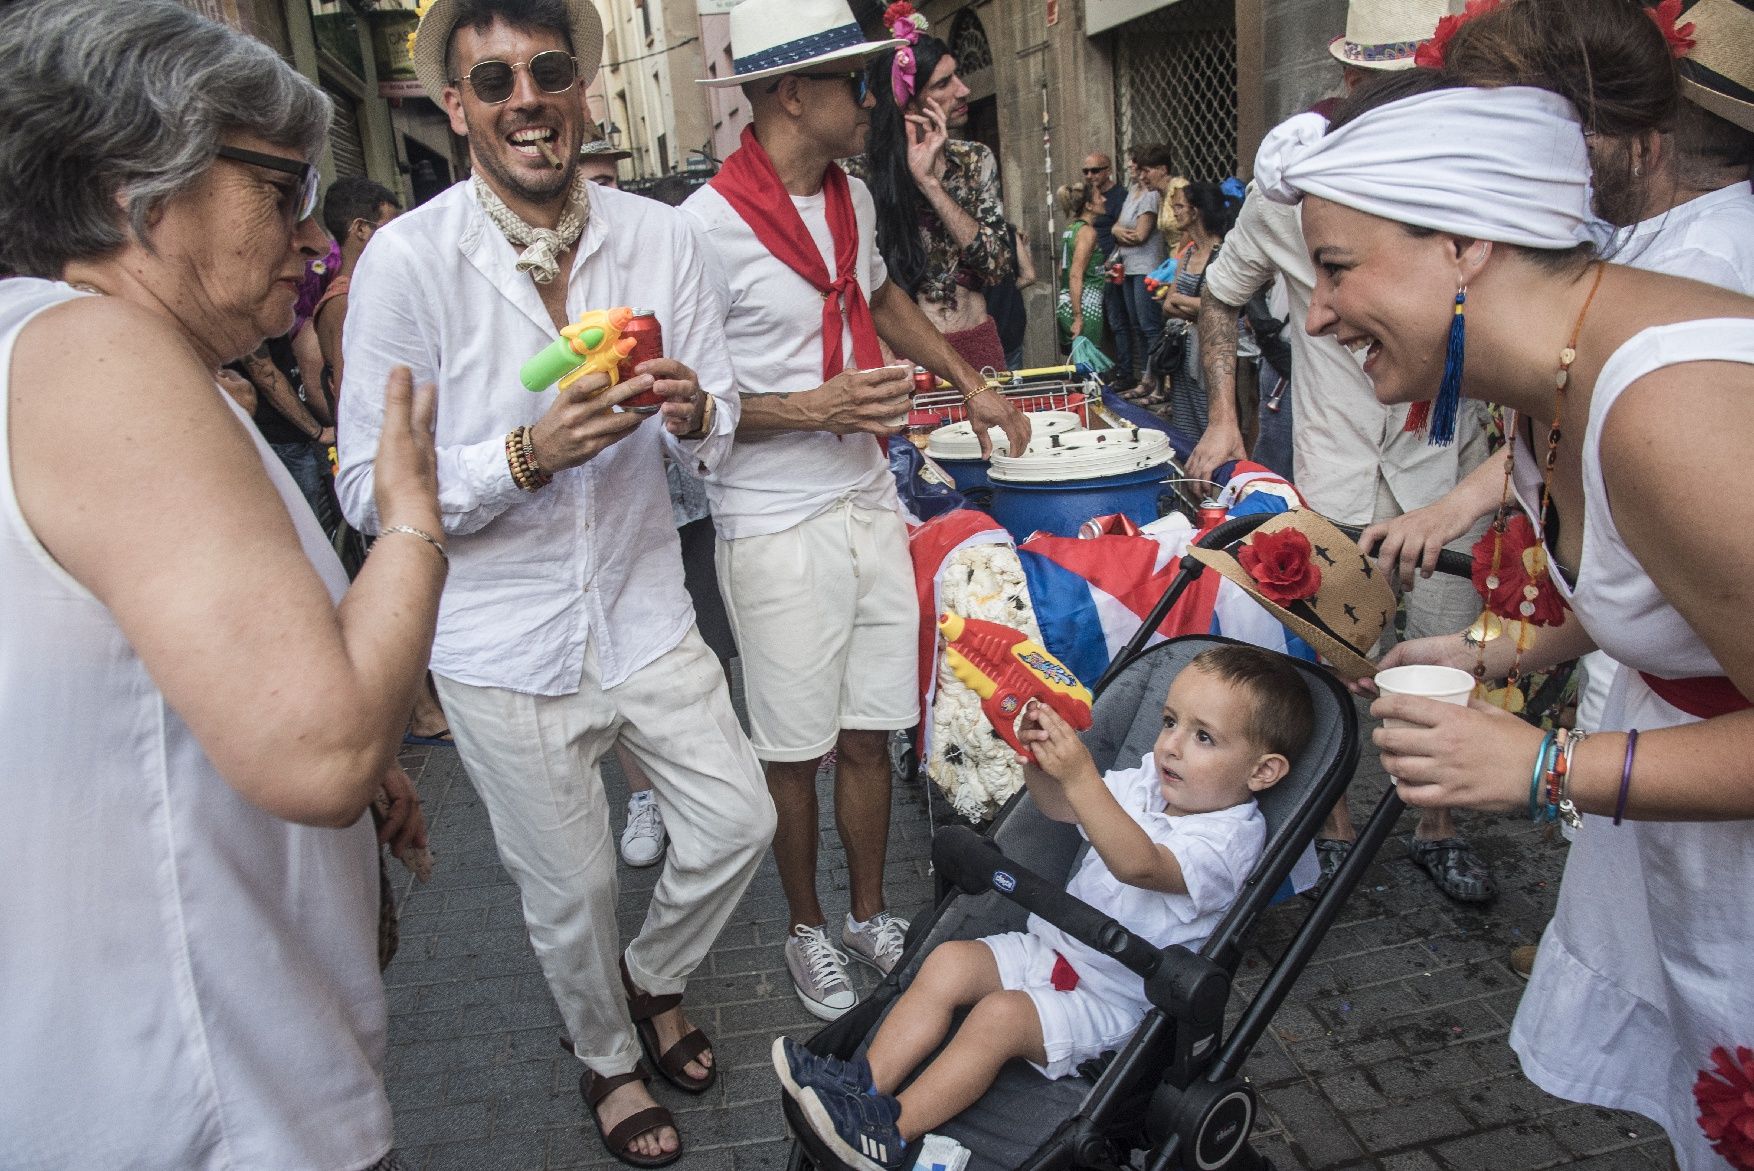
[1314, 579]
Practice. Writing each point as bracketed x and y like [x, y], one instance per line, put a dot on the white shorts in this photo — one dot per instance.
[827, 624]
[1075, 1025]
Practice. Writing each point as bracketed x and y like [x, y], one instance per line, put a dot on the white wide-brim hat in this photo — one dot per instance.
[1384, 34]
[433, 35]
[771, 37]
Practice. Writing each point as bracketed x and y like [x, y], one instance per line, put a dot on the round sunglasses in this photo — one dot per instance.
[554, 71]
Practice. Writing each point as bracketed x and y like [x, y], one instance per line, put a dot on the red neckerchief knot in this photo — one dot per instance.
[751, 185]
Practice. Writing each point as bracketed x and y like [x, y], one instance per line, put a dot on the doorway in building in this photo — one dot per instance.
[428, 171]
[974, 64]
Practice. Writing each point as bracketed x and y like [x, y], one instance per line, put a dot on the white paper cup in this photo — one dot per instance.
[1444, 684]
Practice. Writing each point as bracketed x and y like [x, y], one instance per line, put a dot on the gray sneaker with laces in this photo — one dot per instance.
[642, 841]
[819, 972]
[879, 944]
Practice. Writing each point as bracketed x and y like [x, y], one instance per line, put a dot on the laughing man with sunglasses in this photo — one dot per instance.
[566, 626]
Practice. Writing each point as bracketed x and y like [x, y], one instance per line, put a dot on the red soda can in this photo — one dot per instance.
[925, 382]
[1211, 513]
[648, 336]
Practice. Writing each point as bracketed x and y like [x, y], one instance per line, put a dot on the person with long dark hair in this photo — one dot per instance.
[940, 225]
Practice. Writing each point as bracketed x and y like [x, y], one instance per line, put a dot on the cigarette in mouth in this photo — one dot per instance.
[548, 153]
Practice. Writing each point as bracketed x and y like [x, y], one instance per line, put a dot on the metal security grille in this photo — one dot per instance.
[345, 145]
[1176, 83]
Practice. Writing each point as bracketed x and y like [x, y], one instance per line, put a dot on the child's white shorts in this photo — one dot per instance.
[1075, 1025]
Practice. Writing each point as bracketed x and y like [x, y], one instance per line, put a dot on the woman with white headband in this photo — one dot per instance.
[1453, 242]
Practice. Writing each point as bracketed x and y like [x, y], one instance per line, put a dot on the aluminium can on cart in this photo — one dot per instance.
[1082, 474]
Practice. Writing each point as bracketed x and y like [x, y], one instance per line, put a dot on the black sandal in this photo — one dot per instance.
[618, 1141]
[673, 1062]
[1455, 869]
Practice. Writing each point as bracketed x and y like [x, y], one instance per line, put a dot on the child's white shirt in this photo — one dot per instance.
[1216, 851]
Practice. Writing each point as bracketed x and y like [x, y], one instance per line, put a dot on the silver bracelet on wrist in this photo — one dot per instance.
[423, 535]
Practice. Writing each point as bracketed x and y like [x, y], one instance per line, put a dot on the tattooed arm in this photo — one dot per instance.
[1222, 440]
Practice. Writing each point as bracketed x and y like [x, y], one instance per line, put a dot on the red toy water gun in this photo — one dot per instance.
[1009, 670]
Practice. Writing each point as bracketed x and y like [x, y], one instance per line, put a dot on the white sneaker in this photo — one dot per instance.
[879, 943]
[819, 973]
[642, 842]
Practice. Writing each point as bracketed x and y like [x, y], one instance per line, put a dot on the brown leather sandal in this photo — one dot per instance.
[673, 1062]
[618, 1141]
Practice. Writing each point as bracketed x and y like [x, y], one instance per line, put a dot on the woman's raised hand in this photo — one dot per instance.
[405, 473]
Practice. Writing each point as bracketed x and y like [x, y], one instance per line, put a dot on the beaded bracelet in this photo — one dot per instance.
[520, 458]
[528, 436]
[1626, 775]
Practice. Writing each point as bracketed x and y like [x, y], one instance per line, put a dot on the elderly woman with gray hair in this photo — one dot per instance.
[196, 707]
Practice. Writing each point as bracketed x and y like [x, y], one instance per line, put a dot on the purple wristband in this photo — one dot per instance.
[1626, 775]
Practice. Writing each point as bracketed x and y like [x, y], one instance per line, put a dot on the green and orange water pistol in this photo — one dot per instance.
[594, 344]
[1009, 670]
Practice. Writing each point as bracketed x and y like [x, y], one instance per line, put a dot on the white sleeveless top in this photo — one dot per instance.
[186, 982]
[1646, 965]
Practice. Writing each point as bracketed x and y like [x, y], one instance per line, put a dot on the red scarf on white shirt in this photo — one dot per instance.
[752, 187]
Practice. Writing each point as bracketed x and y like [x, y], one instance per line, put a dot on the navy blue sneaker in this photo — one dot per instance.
[859, 1128]
[798, 1068]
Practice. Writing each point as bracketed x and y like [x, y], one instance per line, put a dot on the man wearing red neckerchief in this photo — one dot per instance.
[812, 552]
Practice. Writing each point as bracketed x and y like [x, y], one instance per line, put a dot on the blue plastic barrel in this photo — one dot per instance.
[1061, 507]
[968, 473]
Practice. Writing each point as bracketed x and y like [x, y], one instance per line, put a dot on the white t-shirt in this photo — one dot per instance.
[1708, 239]
[773, 334]
[1216, 852]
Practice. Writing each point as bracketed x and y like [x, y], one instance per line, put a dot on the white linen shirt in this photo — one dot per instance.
[1342, 436]
[593, 557]
[1216, 852]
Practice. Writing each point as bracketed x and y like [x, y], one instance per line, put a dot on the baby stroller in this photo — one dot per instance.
[1175, 1091]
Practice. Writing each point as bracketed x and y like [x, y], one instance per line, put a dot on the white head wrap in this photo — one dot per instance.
[1505, 164]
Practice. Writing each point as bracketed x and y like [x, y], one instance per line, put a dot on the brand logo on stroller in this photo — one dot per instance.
[1004, 881]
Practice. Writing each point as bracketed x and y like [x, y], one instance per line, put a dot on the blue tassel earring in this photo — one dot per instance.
[1449, 392]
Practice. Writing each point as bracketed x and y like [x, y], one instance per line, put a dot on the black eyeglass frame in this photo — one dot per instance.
[860, 82]
[306, 172]
[1098, 170]
[512, 68]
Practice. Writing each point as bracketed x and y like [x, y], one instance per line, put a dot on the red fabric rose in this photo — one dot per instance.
[1282, 565]
[1516, 549]
[1432, 53]
[1679, 36]
[1726, 1105]
[900, 10]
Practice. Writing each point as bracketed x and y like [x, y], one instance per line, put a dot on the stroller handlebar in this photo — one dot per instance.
[976, 865]
[1448, 560]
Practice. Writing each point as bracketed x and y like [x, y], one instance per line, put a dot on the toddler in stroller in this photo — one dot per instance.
[1173, 841]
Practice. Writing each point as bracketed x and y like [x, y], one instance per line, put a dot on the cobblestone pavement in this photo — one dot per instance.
[1390, 1052]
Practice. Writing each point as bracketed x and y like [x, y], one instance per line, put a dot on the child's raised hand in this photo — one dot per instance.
[1058, 751]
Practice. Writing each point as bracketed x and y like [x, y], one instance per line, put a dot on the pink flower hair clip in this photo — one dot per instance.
[904, 24]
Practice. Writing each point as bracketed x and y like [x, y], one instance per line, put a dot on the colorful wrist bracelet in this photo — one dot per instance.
[1535, 776]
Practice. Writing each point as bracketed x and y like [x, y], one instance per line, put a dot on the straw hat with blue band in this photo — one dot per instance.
[432, 37]
[772, 37]
[1718, 75]
[1385, 34]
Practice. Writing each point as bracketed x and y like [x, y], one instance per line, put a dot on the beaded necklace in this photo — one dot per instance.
[1510, 558]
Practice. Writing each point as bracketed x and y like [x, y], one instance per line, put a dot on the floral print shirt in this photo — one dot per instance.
[971, 178]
